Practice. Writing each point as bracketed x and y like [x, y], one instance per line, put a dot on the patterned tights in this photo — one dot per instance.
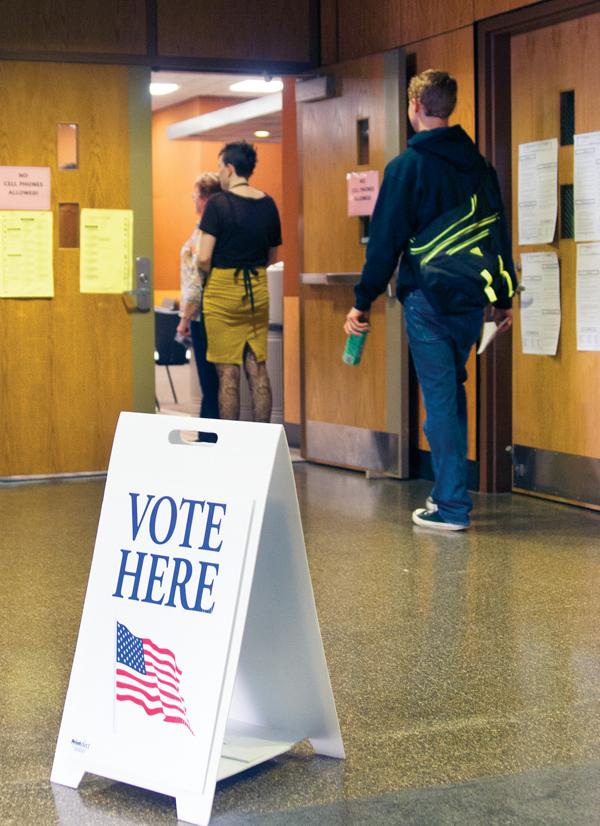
[260, 388]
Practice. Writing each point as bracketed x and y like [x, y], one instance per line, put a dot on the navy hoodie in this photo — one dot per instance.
[440, 170]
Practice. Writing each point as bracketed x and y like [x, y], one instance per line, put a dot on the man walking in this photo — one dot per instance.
[440, 170]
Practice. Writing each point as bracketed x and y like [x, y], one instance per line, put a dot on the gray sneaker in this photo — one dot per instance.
[432, 519]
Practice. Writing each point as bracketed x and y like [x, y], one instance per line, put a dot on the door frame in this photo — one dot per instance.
[493, 121]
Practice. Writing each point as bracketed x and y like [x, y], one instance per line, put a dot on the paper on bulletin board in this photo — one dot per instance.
[540, 303]
[538, 191]
[586, 187]
[588, 297]
[26, 254]
[106, 258]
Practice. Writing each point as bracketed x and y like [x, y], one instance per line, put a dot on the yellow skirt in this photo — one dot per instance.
[230, 321]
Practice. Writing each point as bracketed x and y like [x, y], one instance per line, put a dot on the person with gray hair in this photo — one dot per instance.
[427, 207]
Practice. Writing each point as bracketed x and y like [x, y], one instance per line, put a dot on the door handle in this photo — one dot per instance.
[142, 292]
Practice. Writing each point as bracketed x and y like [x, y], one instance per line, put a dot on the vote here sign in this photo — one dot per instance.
[199, 549]
[165, 597]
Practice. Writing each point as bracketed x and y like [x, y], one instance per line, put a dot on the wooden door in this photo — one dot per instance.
[374, 398]
[354, 416]
[70, 364]
[556, 399]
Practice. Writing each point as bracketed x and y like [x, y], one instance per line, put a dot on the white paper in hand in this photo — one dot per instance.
[488, 334]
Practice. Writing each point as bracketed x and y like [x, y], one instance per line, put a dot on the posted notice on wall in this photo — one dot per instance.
[588, 297]
[106, 257]
[586, 190]
[25, 187]
[26, 254]
[538, 191]
[540, 303]
[363, 189]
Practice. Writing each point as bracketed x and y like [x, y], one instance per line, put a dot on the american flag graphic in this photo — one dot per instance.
[149, 677]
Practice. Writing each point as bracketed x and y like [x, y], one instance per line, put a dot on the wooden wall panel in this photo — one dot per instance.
[369, 27]
[230, 33]
[110, 27]
[236, 30]
[262, 31]
[65, 363]
[334, 392]
[329, 32]
[454, 52]
[489, 8]
[556, 398]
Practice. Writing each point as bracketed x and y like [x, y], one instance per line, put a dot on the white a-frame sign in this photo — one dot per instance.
[199, 653]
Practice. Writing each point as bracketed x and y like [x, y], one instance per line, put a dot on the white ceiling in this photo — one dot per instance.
[194, 84]
[201, 84]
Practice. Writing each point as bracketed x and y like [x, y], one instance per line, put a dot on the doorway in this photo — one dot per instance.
[547, 57]
[190, 123]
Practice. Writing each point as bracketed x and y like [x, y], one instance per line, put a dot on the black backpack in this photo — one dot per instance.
[457, 257]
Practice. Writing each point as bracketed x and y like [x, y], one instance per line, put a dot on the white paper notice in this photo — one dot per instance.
[540, 303]
[587, 187]
[538, 191]
[26, 254]
[106, 255]
[588, 297]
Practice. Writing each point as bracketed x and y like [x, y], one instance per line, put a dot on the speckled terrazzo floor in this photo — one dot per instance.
[466, 667]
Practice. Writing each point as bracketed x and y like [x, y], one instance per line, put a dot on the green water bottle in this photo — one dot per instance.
[354, 347]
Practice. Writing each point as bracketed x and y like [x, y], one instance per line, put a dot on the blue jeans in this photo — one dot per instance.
[440, 346]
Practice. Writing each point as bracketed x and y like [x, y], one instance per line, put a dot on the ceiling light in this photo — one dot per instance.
[262, 133]
[163, 88]
[257, 85]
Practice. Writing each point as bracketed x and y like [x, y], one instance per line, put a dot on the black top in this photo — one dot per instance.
[439, 170]
[245, 229]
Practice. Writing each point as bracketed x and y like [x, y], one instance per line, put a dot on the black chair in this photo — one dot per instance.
[168, 352]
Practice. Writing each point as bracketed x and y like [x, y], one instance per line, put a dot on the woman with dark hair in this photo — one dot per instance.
[192, 323]
[240, 235]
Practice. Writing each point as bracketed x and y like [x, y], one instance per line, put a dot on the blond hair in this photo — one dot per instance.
[207, 183]
[436, 91]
